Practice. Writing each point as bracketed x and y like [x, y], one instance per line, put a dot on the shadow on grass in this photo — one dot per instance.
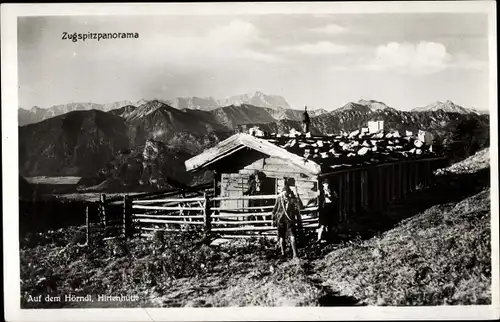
[329, 297]
[334, 299]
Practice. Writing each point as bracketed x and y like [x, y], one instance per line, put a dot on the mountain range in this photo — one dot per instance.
[274, 106]
[354, 116]
[448, 106]
[257, 99]
[151, 166]
[76, 143]
[273, 102]
[37, 114]
[101, 146]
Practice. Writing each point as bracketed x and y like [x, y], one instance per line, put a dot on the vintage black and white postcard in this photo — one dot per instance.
[250, 161]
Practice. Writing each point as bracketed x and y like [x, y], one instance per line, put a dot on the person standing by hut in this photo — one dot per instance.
[306, 121]
[254, 184]
[326, 209]
[285, 213]
[256, 187]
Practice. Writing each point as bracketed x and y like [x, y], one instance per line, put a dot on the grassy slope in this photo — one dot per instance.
[439, 254]
[167, 271]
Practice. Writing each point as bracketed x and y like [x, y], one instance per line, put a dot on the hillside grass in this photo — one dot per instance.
[168, 270]
[431, 248]
[439, 257]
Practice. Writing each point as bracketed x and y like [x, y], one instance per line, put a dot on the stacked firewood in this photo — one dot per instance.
[357, 148]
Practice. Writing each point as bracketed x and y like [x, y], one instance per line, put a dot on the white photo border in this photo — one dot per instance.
[9, 14]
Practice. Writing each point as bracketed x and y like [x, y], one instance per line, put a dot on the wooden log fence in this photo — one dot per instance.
[210, 217]
[87, 223]
[115, 212]
[358, 190]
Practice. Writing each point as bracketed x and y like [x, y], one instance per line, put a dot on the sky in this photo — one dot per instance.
[318, 60]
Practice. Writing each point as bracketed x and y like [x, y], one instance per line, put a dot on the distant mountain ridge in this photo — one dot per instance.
[75, 143]
[375, 105]
[148, 167]
[275, 102]
[192, 130]
[257, 99]
[234, 115]
[279, 107]
[65, 143]
[81, 143]
[353, 116]
[209, 103]
[195, 103]
[37, 114]
[363, 106]
[447, 106]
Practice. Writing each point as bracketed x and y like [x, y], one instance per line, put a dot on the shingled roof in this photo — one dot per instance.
[242, 140]
[317, 154]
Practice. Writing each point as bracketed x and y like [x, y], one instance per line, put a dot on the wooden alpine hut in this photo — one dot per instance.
[366, 170]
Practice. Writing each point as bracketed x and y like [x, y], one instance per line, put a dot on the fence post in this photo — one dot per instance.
[413, 178]
[355, 187]
[426, 173]
[369, 189]
[385, 184]
[387, 187]
[206, 214]
[103, 209]
[381, 181]
[130, 217]
[352, 191]
[362, 189]
[181, 205]
[125, 217]
[340, 196]
[405, 178]
[366, 188]
[87, 222]
[400, 181]
[419, 173]
[404, 175]
[346, 196]
[392, 171]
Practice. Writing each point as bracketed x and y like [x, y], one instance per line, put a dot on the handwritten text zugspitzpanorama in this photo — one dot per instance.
[98, 36]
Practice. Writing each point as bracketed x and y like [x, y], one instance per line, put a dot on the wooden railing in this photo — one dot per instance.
[198, 209]
[168, 214]
[115, 213]
[205, 214]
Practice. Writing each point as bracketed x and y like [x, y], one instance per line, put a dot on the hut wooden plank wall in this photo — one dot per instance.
[233, 185]
[234, 181]
[277, 169]
[371, 189]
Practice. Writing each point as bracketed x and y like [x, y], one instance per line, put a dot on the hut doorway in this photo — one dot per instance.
[238, 185]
